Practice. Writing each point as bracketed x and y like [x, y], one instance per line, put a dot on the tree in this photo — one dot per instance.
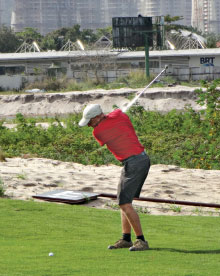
[88, 36]
[73, 33]
[56, 39]
[104, 31]
[8, 40]
[168, 19]
[212, 40]
[48, 43]
[29, 35]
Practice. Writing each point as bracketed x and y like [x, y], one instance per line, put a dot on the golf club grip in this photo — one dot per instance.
[136, 98]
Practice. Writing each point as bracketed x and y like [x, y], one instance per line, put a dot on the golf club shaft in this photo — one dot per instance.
[138, 95]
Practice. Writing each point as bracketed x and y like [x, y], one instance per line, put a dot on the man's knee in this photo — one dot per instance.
[126, 207]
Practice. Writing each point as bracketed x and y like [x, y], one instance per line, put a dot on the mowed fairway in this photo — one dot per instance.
[78, 236]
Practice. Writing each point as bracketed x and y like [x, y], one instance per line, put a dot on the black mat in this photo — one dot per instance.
[67, 196]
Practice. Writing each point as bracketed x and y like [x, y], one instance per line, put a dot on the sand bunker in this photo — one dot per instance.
[26, 177]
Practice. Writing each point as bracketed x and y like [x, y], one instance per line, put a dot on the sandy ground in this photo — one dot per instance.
[51, 104]
[27, 177]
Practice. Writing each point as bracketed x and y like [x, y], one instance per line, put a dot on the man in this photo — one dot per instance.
[116, 131]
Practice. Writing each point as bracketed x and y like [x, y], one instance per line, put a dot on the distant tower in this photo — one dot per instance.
[43, 15]
[6, 7]
[49, 15]
[165, 7]
[92, 14]
[206, 15]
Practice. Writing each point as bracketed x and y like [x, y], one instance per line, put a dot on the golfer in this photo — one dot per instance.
[116, 131]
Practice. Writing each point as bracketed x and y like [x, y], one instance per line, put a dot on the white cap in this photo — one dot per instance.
[91, 111]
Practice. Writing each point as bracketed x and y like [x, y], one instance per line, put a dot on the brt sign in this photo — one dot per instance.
[207, 61]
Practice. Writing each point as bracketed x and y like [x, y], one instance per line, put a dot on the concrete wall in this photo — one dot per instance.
[11, 82]
[16, 82]
[181, 74]
[196, 73]
[182, 69]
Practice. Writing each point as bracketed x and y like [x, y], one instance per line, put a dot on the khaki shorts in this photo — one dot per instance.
[132, 178]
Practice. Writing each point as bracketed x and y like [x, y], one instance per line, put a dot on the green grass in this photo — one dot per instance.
[78, 236]
[22, 176]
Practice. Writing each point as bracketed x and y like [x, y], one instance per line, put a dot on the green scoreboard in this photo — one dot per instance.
[129, 31]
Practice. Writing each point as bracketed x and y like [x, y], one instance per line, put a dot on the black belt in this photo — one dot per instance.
[133, 157]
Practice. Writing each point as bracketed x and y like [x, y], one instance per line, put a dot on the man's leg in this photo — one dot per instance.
[130, 219]
[134, 221]
[125, 241]
[131, 182]
[125, 224]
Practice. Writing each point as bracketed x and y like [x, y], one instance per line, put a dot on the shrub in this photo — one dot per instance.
[2, 156]
[2, 189]
[189, 139]
[48, 84]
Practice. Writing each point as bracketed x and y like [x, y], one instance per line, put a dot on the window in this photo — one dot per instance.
[12, 70]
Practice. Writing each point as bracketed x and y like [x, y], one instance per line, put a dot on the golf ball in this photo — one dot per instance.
[51, 254]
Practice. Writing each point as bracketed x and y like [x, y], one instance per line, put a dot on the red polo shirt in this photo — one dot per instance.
[117, 132]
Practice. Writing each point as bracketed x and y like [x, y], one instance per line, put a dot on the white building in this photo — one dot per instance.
[165, 7]
[49, 15]
[6, 7]
[206, 15]
[184, 65]
[43, 15]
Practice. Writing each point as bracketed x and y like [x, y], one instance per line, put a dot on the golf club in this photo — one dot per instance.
[125, 109]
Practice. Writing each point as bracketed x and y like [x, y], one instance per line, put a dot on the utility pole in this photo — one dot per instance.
[147, 68]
